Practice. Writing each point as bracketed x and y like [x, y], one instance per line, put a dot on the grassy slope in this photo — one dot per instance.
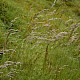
[35, 48]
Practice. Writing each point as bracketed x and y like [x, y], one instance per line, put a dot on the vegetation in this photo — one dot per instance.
[40, 40]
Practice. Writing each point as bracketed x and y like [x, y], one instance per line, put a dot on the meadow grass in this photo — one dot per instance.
[40, 40]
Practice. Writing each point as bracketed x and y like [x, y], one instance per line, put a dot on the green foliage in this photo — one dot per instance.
[40, 40]
[9, 14]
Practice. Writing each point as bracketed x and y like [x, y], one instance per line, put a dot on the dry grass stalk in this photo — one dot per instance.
[45, 57]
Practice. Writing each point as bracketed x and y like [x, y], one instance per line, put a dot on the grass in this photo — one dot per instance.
[40, 42]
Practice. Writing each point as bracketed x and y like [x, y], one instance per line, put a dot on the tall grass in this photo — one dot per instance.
[41, 41]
